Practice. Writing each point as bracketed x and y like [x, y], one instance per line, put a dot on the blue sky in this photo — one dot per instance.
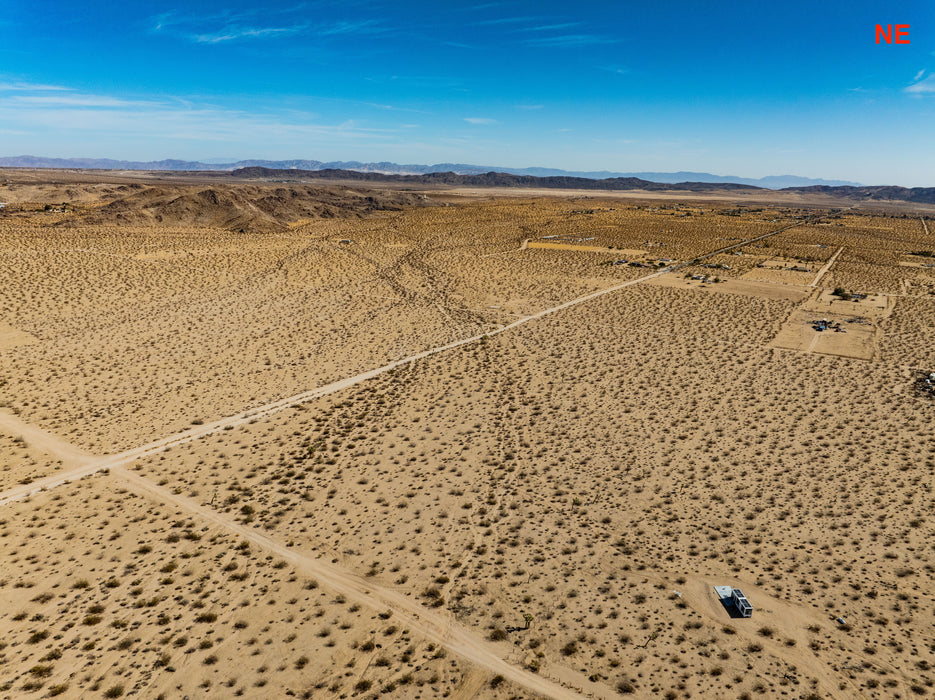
[743, 88]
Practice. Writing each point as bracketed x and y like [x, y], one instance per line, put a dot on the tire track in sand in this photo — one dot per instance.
[439, 628]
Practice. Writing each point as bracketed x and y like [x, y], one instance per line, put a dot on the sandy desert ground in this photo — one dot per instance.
[232, 465]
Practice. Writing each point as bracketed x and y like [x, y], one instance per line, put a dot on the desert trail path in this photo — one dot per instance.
[523, 246]
[197, 432]
[822, 271]
[45, 442]
[437, 627]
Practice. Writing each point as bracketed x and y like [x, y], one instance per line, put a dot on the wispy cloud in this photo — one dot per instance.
[234, 33]
[550, 27]
[77, 100]
[926, 85]
[919, 75]
[161, 20]
[480, 120]
[461, 45]
[252, 24]
[569, 41]
[16, 86]
[364, 26]
[478, 8]
[506, 21]
[71, 115]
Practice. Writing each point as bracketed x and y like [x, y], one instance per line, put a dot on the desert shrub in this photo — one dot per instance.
[37, 636]
[842, 293]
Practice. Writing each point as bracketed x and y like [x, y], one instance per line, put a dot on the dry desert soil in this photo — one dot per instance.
[323, 441]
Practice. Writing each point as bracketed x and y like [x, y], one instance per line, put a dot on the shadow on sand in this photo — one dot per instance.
[731, 609]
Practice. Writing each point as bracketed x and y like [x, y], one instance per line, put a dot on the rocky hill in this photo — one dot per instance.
[244, 207]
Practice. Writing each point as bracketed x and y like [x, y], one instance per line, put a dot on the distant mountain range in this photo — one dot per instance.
[770, 182]
[921, 195]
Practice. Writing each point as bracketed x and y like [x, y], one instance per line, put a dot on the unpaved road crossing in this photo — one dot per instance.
[439, 627]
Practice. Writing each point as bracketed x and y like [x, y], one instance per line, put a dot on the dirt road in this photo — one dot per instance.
[44, 442]
[434, 626]
[522, 247]
[440, 628]
[96, 464]
[822, 271]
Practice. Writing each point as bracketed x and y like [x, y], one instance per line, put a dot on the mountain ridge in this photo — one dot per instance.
[920, 195]
[389, 168]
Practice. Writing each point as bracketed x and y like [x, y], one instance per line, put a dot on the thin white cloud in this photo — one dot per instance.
[170, 124]
[30, 87]
[569, 41]
[161, 21]
[173, 20]
[461, 45]
[505, 21]
[480, 120]
[918, 75]
[76, 116]
[232, 34]
[75, 100]
[364, 26]
[551, 27]
[927, 85]
[224, 27]
[478, 8]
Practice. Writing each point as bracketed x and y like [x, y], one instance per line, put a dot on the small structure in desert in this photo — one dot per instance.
[734, 597]
[741, 603]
